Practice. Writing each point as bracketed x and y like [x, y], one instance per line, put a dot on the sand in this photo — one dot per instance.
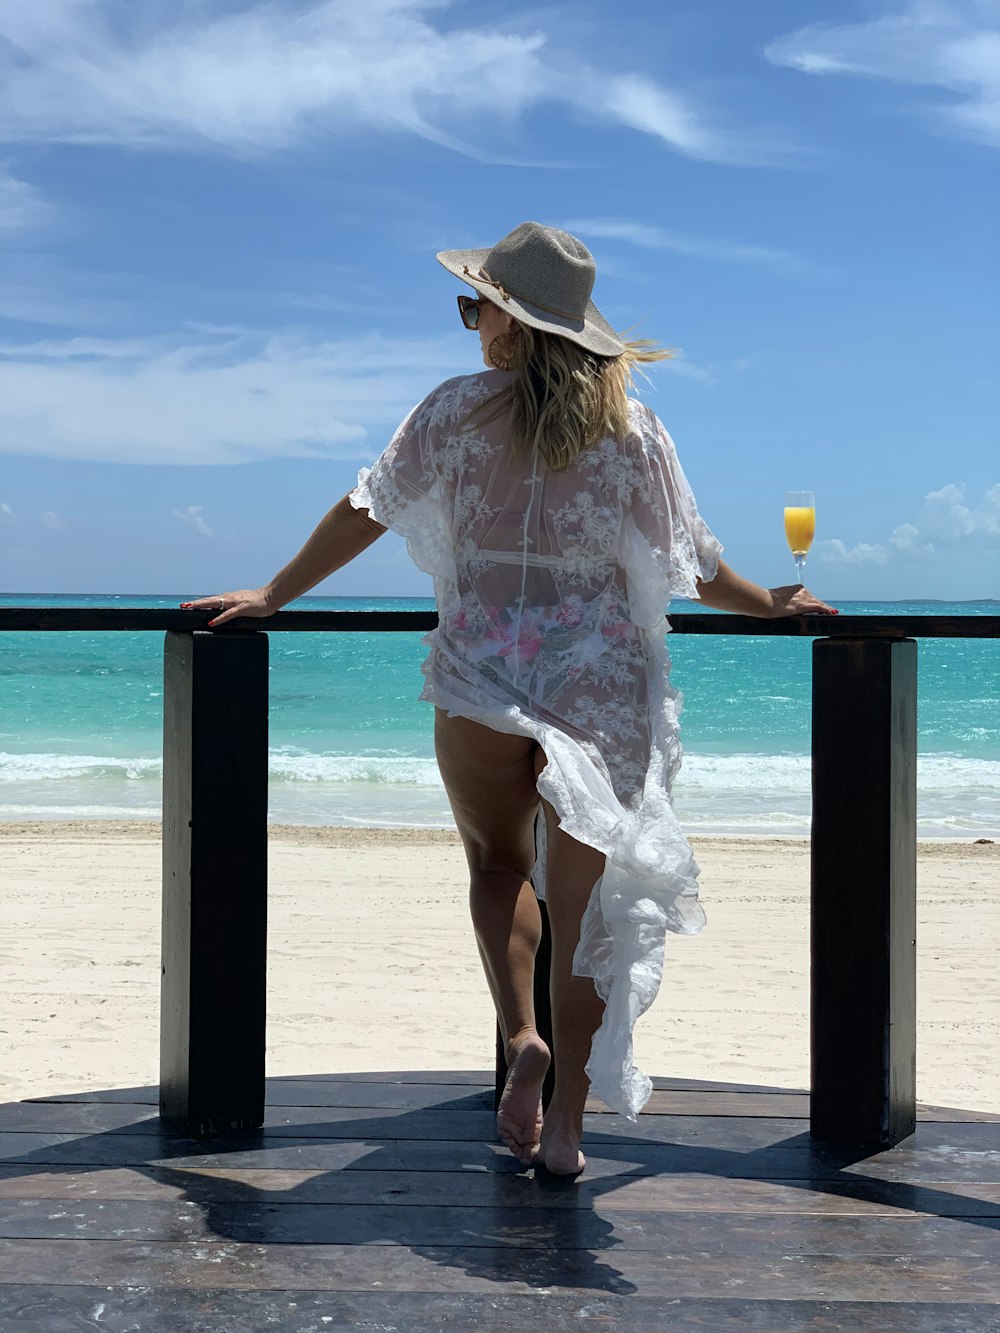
[373, 965]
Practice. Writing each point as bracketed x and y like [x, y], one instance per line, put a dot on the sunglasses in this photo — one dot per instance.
[468, 308]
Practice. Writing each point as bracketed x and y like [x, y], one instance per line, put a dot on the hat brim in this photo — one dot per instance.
[592, 332]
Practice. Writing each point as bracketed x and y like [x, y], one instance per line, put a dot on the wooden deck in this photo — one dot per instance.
[380, 1202]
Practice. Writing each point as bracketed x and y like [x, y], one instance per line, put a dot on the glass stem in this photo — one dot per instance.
[800, 564]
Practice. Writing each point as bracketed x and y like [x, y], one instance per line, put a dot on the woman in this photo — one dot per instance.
[557, 523]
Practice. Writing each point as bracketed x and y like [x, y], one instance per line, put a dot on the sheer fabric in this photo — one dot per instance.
[552, 590]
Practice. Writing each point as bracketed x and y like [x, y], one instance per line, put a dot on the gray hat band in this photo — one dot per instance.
[507, 292]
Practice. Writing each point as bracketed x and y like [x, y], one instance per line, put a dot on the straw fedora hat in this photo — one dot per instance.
[543, 277]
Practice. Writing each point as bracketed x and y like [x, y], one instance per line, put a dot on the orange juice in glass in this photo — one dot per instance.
[800, 525]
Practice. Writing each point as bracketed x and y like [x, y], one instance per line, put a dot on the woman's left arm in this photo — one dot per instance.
[344, 533]
[341, 535]
[729, 591]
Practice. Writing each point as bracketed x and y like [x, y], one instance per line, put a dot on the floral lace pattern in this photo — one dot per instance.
[552, 590]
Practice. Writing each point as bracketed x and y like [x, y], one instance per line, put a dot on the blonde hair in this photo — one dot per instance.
[565, 399]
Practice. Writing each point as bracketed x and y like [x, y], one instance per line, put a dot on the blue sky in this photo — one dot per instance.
[218, 292]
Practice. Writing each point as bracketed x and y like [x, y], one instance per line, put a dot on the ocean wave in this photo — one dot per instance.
[395, 769]
[49, 767]
[768, 773]
[762, 775]
[282, 767]
[35, 810]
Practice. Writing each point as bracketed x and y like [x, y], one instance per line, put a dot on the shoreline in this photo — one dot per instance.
[390, 835]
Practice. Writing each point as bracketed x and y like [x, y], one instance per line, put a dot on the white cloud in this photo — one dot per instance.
[192, 515]
[5, 510]
[266, 77]
[21, 206]
[947, 522]
[658, 238]
[906, 538]
[944, 44]
[835, 552]
[50, 519]
[215, 396]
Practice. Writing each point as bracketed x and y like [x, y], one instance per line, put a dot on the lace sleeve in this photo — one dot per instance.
[402, 491]
[667, 545]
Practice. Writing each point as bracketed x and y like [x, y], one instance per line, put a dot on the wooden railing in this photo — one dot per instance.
[863, 878]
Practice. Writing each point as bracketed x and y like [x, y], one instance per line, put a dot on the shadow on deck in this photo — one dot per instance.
[380, 1201]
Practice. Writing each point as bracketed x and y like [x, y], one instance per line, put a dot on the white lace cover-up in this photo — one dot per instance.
[552, 590]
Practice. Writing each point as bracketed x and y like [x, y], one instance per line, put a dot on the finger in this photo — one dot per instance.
[230, 613]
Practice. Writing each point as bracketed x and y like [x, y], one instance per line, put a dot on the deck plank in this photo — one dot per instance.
[467, 1118]
[74, 1309]
[255, 1221]
[413, 1096]
[464, 1189]
[456, 1268]
[607, 1157]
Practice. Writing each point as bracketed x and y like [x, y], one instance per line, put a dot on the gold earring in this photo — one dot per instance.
[501, 351]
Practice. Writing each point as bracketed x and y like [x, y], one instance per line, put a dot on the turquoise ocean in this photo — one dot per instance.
[81, 725]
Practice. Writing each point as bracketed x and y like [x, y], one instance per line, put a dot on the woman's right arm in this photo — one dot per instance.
[729, 591]
[341, 535]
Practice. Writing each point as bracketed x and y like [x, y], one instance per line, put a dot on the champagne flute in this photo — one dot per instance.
[800, 525]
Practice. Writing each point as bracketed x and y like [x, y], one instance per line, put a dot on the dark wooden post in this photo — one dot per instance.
[213, 991]
[864, 890]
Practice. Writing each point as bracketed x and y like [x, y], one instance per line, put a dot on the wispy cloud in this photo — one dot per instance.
[658, 238]
[6, 510]
[671, 116]
[268, 77]
[687, 370]
[952, 45]
[213, 396]
[22, 208]
[218, 395]
[947, 522]
[192, 516]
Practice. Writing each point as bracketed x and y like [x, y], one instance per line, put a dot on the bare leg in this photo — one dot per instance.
[508, 927]
[572, 870]
[490, 780]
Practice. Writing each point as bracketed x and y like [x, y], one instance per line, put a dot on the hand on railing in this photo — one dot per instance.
[230, 605]
[794, 600]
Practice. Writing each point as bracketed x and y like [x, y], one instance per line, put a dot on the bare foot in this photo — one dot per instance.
[519, 1118]
[559, 1152]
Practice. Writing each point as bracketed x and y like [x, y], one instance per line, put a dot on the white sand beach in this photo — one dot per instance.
[373, 964]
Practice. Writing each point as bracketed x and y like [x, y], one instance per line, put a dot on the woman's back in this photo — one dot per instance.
[522, 534]
[546, 580]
